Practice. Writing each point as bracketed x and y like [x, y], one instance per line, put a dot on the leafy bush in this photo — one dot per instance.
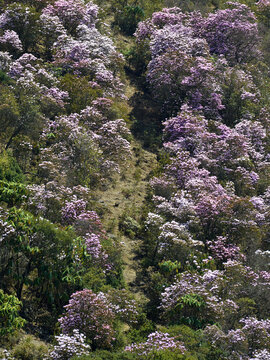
[128, 18]
[9, 168]
[9, 314]
[106, 355]
[129, 226]
[36, 253]
[141, 329]
[29, 348]
[81, 92]
[12, 192]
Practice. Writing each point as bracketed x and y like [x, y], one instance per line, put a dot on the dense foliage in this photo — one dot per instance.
[207, 230]
[80, 83]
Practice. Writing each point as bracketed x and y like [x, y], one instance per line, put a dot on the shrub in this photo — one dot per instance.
[90, 314]
[129, 226]
[12, 193]
[106, 355]
[156, 342]
[67, 346]
[9, 318]
[128, 18]
[29, 348]
[81, 92]
[9, 168]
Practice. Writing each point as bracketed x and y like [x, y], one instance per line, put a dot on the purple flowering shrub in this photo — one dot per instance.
[92, 315]
[156, 342]
[22, 20]
[125, 307]
[96, 251]
[10, 40]
[218, 290]
[98, 316]
[89, 222]
[181, 71]
[233, 32]
[223, 251]
[72, 209]
[56, 202]
[251, 340]
[73, 13]
[68, 346]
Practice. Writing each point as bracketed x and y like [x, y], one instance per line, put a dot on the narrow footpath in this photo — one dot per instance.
[125, 197]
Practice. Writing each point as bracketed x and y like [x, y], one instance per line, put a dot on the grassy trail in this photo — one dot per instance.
[126, 196]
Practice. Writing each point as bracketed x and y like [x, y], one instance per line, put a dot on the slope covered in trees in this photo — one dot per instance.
[134, 180]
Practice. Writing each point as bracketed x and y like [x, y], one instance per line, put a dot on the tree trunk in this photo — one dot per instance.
[15, 133]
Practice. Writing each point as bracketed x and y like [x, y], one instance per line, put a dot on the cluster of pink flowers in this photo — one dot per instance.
[95, 249]
[73, 13]
[251, 341]
[208, 286]
[68, 346]
[223, 251]
[156, 342]
[11, 38]
[91, 315]
[124, 306]
[94, 314]
[72, 210]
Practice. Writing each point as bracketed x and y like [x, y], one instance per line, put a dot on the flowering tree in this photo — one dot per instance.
[76, 151]
[10, 41]
[73, 13]
[176, 48]
[91, 315]
[37, 93]
[233, 32]
[22, 20]
[250, 341]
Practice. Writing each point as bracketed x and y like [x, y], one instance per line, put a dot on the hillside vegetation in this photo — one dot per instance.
[134, 180]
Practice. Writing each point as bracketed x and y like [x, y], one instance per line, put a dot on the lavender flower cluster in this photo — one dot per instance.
[68, 346]
[156, 342]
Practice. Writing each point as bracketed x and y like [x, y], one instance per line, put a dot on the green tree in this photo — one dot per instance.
[37, 254]
[81, 92]
[19, 112]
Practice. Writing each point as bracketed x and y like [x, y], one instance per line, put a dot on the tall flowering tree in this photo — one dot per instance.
[233, 32]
